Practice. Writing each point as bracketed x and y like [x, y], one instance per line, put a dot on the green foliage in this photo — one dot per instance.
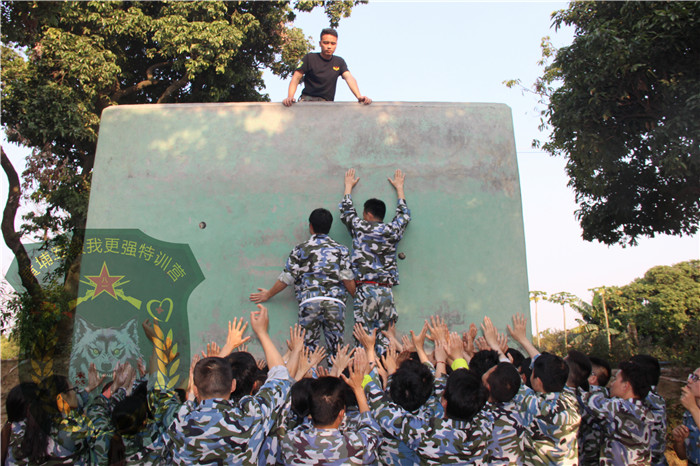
[624, 108]
[658, 313]
[65, 62]
[9, 348]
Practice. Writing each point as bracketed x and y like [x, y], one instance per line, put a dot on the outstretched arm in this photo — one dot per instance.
[519, 334]
[352, 84]
[350, 181]
[397, 183]
[263, 295]
[296, 79]
[260, 321]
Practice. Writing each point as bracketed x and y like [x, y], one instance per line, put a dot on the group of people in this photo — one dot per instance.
[469, 400]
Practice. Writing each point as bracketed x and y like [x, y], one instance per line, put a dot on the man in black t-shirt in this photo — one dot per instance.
[320, 72]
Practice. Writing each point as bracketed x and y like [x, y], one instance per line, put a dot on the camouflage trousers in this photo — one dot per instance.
[327, 316]
[374, 308]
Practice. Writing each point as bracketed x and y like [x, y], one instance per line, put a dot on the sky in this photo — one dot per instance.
[462, 52]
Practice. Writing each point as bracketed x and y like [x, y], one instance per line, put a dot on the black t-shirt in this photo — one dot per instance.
[321, 75]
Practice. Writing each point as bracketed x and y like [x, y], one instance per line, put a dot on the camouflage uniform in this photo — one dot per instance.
[220, 431]
[148, 446]
[392, 419]
[552, 421]
[316, 268]
[692, 443]
[590, 434]
[80, 437]
[506, 445]
[627, 428]
[657, 407]
[307, 445]
[374, 260]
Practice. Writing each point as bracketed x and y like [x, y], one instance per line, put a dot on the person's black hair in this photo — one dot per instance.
[300, 395]
[321, 221]
[526, 371]
[552, 370]
[128, 418]
[259, 381]
[516, 356]
[330, 31]
[244, 370]
[327, 400]
[411, 385]
[376, 207]
[482, 361]
[465, 395]
[636, 375]
[213, 378]
[579, 369]
[600, 363]
[17, 400]
[651, 367]
[504, 382]
[42, 416]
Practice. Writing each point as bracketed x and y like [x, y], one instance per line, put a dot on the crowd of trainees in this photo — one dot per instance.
[471, 400]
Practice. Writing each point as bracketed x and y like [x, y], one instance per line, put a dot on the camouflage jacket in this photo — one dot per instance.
[317, 268]
[149, 445]
[692, 443]
[552, 421]
[506, 443]
[307, 445]
[590, 434]
[374, 243]
[393, 420]
[220, 431]
[627, 428]
[79, 437]
[657, 407]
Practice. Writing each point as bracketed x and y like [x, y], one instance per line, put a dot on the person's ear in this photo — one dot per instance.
[233, 386]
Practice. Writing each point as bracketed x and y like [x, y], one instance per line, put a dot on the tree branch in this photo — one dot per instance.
[179, 84]
[149, 81]
[12, 238]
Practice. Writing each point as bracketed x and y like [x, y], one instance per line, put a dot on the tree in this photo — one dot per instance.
[536, 296]
[63, 63]
[658, 313]
[563, 298]
[623, 109]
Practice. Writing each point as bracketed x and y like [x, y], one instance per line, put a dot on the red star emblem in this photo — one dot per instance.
[104, 282]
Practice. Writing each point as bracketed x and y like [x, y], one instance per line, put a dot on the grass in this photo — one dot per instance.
[9, 349]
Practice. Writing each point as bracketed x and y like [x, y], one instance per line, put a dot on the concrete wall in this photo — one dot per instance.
[253, 172]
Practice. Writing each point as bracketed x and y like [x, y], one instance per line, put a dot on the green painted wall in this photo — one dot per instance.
[254, 172]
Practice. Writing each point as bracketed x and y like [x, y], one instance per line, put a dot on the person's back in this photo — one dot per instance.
[627, 419]
[323, 442]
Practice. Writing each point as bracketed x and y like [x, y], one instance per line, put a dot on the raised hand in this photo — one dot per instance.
[341, 359]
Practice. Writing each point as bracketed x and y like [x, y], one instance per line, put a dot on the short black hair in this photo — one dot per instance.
[597, 364]
[465, 395]
[636, 375]
[525, 370]
[327, 400]
[552, 370]
[651, 366]
[504, 382]
[213, 378]
[516, 356]
[482, 361]
[245, 370]
[411, 385]
[321, 221]
[330, 31]
[376, 207]
[579, 369]
[300, 395]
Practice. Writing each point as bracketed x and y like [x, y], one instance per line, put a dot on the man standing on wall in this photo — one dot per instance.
[320, 72]
[374, 256]
[321, 274]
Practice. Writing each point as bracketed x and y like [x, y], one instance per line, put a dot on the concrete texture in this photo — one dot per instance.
[252, 173]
